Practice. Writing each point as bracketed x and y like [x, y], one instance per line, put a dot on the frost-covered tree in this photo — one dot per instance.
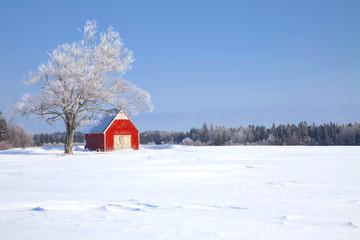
[19, 136]
[82, 80]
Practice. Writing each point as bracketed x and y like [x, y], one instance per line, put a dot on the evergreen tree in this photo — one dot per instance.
[4, 131]
[205, 133]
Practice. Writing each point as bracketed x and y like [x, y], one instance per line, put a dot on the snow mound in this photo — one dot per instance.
[41, 151]
[161, 147]
[38, 209]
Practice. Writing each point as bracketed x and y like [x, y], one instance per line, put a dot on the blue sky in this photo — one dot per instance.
[231, 63]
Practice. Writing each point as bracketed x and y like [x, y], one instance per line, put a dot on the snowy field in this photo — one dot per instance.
[178, 192]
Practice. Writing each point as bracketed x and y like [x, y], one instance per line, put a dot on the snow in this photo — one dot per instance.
[181, 192]
[101, 125]
[105, 121]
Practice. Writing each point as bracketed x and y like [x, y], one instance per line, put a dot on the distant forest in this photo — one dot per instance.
[55, 139]
[301, 134]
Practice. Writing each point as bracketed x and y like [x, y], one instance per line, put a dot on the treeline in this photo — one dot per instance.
[13, 135]
[301, 134]
[56, 139]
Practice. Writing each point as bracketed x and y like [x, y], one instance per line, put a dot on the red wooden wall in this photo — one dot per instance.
[121, 127]
[94, 141]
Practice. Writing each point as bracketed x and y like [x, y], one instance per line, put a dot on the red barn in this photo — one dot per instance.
[114, 132]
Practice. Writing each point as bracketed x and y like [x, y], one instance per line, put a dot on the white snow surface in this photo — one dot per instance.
[181, 192]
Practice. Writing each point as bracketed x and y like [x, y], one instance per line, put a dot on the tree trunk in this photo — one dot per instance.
[69, 138]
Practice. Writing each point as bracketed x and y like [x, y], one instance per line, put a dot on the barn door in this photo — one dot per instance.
[122, 142]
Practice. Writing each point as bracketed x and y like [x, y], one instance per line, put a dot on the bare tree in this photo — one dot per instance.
[84, 79]
[19, 136]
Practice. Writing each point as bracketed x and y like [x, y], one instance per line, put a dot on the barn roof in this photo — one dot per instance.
[106, 121]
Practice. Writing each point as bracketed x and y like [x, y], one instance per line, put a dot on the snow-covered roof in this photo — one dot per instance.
[101, 126]
[105, 122]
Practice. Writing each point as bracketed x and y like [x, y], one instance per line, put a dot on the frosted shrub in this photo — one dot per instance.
[187, 141]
